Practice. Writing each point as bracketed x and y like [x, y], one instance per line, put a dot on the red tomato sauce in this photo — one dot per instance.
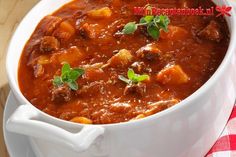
[82, 35]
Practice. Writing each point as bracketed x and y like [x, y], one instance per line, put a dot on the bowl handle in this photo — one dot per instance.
[26, 120]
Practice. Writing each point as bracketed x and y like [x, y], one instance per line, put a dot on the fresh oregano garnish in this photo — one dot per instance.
[153, 23]
[130, 28]
[133, 78]
[68, 76]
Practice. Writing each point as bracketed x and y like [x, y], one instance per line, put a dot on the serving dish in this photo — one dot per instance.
[188, 129]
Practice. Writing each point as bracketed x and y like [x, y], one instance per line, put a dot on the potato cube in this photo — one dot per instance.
[122, 58]
[82, 120]
[104, 12]
[65, 31]
[67, 26]
[172, 75]
[71, 55]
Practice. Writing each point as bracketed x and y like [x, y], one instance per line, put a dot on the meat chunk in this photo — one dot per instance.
[91, 89]
[61, 93]
[42, 59]
[49, 44]
[211, 32]
[141, 67]
[172, 75]
[174, 33]
[48, 25]
[160, 106]
[138, 66]
[121, 59]
[104, 12]
[120, 107]
[136, 89]
[88, 31]
[62, 36]
[149, 52]
[38, 70]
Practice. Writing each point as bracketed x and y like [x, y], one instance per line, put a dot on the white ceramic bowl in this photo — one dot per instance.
[187, 129]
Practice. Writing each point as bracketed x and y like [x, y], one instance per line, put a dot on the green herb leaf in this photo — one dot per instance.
[65, 68]
[131, 74]
[141, 78]
[73, 85]
[57, 81]
[148, 18]
[68, 76]
[74, 75]
[133, 78]
[124, 79]
[65, 76]
[162, 22]
[81, 71]
[153, 31]
[142, 21]
[130, 28]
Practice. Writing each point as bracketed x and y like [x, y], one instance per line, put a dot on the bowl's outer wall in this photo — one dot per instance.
[186, 130]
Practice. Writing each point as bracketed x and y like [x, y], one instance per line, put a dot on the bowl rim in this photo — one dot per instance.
[193, 97]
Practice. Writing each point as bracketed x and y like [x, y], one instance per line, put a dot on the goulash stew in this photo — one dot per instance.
[96, 62]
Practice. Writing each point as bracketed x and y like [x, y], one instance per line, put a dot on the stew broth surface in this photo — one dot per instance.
[188, 55]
